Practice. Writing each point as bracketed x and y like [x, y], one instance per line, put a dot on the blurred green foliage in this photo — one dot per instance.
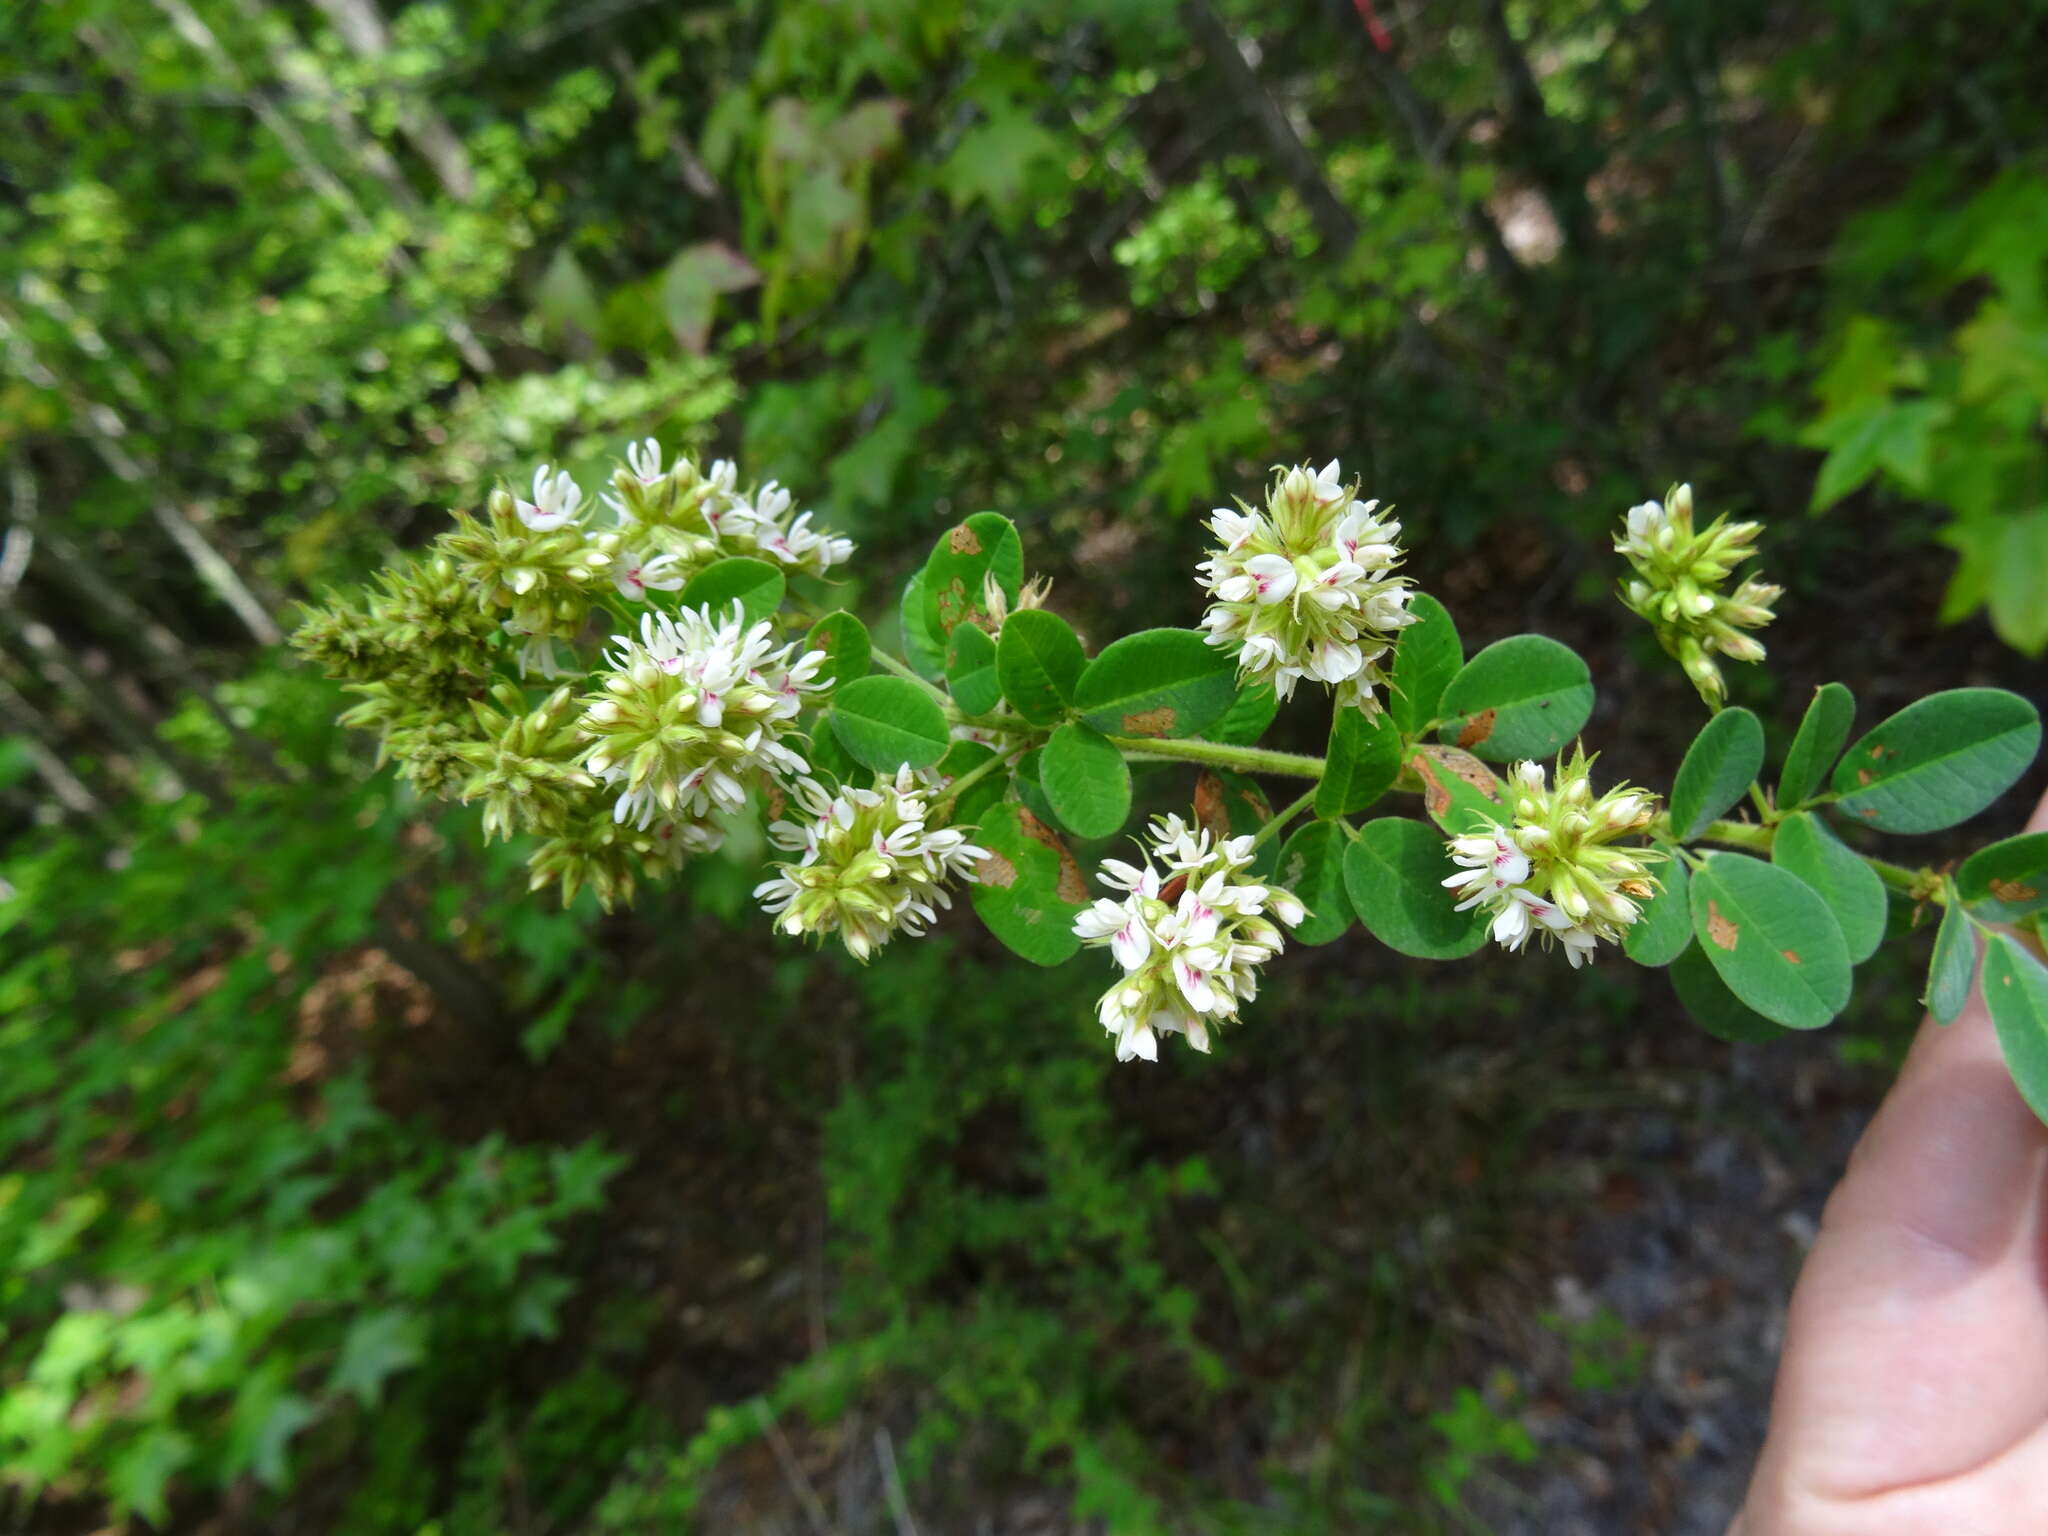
[279, 283]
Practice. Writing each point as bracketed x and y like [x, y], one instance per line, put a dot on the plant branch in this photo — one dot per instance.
[1221, 754]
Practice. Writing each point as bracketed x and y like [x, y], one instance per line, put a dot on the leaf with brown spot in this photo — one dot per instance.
[1792, 955]
[997, 870]
[1478, 728]
[2013, 890]
[1150, 722]
[1457, 788]
[1719, 929]
[1073, 886]
[962, 540]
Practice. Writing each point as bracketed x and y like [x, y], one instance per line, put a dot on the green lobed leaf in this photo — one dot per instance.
[1954, 965]
[1248, 716]
[1086, 781]
[1029, 888]
[1662, 933]
[844, 640]
[1158, 682]
[1707, 998]
[1809, 849]
[2016, 992]
[925, 654]
[1522, 697]
[1459, 791]
[1772, 939]
[1394, 874]
[1939, 761]
[2005, 881]
[754, 584]
[378, 1344]
[971, 670]
[964, 555]
[1823, 731]
[1038, 663]
[1363, 762]
[885, 722]
[1312, 866]
[1721, 763]
[1427, 655]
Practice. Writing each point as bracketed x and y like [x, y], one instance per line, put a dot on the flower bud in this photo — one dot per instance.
[1675, 578]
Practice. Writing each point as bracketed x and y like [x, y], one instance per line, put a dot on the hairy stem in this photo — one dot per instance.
[1221, 754]
[1272, 828]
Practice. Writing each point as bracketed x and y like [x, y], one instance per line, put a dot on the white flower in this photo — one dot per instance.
[1554, 873]
[692, 712]
[635, 574]
[1190, 933]
[762, 523]
[556, 501]
[1305, 587]
[871, 866]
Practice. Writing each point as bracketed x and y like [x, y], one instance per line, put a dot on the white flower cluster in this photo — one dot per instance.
[692, 711]
[871, 865]
[1553, 875]
[1190, 933]
[1306, 587]
[763, 522]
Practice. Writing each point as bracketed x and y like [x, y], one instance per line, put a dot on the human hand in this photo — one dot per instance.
[1912, 1393]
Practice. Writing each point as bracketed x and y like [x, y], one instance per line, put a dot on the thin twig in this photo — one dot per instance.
[800, 1485]
[892, 1484]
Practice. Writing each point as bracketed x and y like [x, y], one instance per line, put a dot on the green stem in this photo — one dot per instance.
[1920, 884]
[1273, 827]
[904, 669]
[1220, 754]
[942, 807]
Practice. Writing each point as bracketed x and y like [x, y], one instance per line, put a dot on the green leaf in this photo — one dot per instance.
[1394, 875]
[1312, 866]
[1939, 761]
[2009, 879]
[966, 553]
[1158, 682]
[1427, 655]
[140, 1474]
[691, 284]
[1661, 934]
[1850, 887]
[991, 160]
[566, 299]
[1038, 662]
[2019, 581]
[1822, 733]
[1954, 965]
[377, 1345]
[1723, 759]
[1707, 998]
[1875, 434]
[1086, 780]
[1364, 760]
[888, 721]
[1248, 716]
[973, 802]
[971, 670]
[844, 640]
[925, 654]
[1031, 786]
[2016, 992]
[1772, 939]
[1029, 888]
[1459, 791]
[755, 585]
[1522, 697]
